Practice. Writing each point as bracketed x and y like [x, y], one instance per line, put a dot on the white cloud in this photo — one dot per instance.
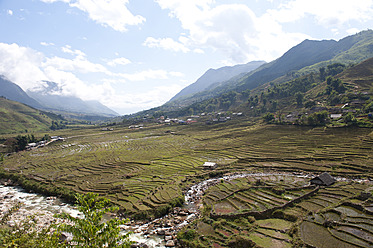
[21, 65]
[119, 61]
[232, 29]
[67, 49]
[148, 74]
[78, 64]
[166, 43]
[111, 13]
[29, 68]
[10, 12]
[146, 99]
[352, 31]
[326, 12]
[236, 31]
[43, 43]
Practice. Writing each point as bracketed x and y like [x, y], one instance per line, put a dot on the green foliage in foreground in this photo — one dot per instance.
[89, 231]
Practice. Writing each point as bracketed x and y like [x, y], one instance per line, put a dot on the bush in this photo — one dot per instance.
[190, 234]
[240, 241]
[91, 231]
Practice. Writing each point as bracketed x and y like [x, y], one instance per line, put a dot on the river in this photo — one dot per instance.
[44, 209]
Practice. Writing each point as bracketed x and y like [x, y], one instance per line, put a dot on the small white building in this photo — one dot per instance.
[209, 165]
[335, 116]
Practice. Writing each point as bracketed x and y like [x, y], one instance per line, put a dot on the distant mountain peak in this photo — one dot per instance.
[212, 76]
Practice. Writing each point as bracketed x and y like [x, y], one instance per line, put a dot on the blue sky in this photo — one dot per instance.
[132, 55]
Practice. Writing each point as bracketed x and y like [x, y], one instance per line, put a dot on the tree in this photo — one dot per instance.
[350, 119]
[91, 231]
[322, 73]
[318, 118]
[11, 144]
[268, 117]
[299, 97]
[22, 142]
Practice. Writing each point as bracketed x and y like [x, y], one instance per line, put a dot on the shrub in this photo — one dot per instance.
[190, 234]
[240, 241]
[91, 231]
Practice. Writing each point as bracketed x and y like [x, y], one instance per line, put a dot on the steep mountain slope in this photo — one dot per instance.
[216, 75]
[49, 97]
[14, 92]
[16, 117]
[352, 49]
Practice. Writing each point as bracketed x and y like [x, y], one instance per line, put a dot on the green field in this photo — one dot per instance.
[145, 171]
[146, 168]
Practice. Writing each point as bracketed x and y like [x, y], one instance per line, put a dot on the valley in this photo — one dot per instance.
[147, 171]
[274, 154]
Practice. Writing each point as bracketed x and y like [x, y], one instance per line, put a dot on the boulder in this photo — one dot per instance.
[170, 243]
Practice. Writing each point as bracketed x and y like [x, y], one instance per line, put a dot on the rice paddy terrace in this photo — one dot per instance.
[148, 168]
[283, 211]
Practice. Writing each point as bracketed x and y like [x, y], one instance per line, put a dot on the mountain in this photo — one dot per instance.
[303, 60]
[16, 117]
[49, 97]
[215, 76]
[352, 49]
[14, 92]
[306, 57]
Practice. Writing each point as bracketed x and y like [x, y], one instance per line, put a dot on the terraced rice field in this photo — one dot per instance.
[334, 216]
[244, 195]
[146, 168]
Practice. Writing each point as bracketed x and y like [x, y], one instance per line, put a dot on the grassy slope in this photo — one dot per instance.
[16, 117]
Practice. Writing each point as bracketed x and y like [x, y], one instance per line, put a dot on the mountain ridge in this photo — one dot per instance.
[13, 92]
[212, 76]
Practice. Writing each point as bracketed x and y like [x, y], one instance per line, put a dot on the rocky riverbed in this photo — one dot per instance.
[156, 233]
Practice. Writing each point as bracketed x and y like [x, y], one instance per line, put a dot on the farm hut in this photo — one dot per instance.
[335, 116]
[209, 165]
[324, 179]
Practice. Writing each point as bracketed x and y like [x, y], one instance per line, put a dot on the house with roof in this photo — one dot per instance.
[335, 116]
[324, 179]
[209, 165]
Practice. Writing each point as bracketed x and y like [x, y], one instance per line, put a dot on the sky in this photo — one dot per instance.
[133, 55]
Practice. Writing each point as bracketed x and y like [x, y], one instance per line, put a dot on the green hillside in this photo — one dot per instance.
[361, 50]
[16, 117]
